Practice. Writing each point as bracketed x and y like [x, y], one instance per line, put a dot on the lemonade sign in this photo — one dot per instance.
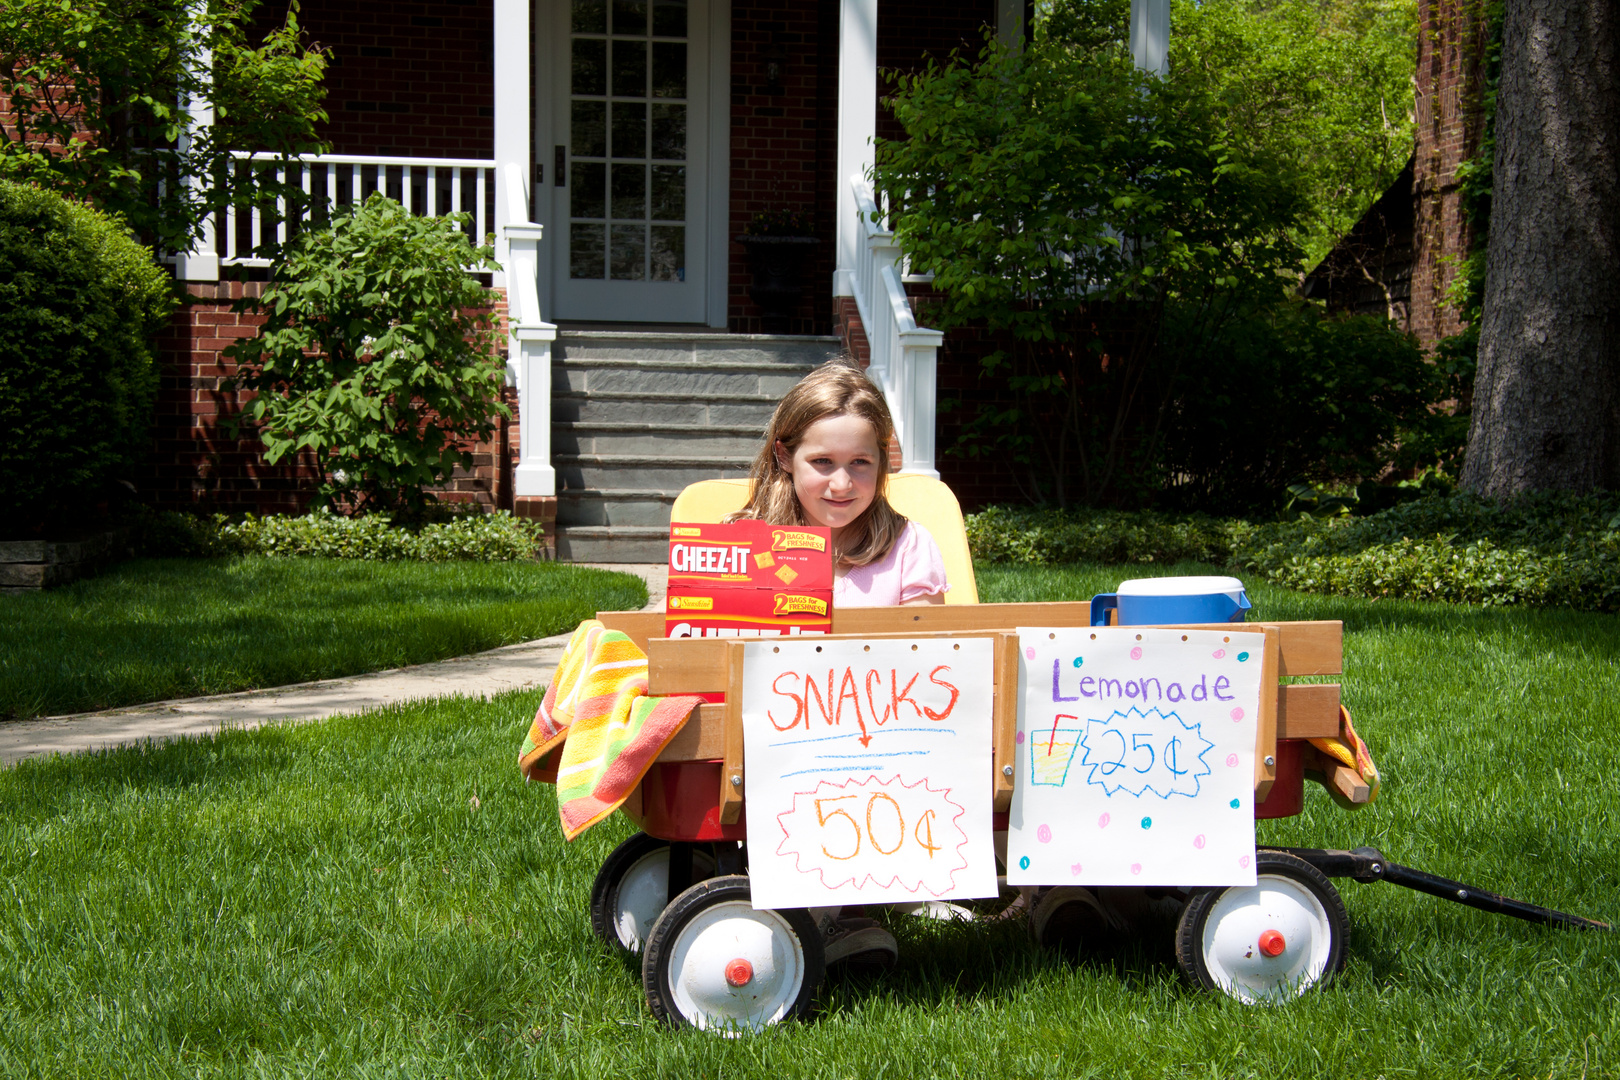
[1135, 759]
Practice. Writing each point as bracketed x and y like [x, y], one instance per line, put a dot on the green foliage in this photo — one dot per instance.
[79, 303]
[1287, 394]
[1070, 199]
[1326, 86]
[95, 89]
[376, 355]
[470, 537]
[1553, 550]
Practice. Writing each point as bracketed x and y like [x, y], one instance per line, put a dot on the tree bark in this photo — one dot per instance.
[1546, 410]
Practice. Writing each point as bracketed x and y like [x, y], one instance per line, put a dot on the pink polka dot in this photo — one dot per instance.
[1237, 714]
[1231, 761]
[1074, 868]
[1198, 841]
[1136, 868]
[1044, 834]
[1029, 654]
[1218, 653]
[1136, 653]
[1102, 822]
[1243, 861]
[1020, 736]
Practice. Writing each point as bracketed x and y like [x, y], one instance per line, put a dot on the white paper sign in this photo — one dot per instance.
[1135, 757]
[867, 770]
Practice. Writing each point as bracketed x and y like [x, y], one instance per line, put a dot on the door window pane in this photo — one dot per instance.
[590, 66]
[629, 191]
[590, 129]
[627, 257]
[629, 68]
[669, 132]
[629, 17]
[585, 252]
[669, 69]
[629, 129]
[669, 18]
[669, 253]
[587, 195]
[669, 192]
[590, 17]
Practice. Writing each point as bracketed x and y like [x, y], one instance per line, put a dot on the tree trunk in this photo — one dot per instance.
[1547, 394]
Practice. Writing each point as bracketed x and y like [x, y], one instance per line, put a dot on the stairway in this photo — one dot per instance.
[637, 416]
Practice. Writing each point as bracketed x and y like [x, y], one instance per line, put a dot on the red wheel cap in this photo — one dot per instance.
[1272, 943]
[740, 972]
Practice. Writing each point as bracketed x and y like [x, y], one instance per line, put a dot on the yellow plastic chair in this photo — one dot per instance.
[923, 499]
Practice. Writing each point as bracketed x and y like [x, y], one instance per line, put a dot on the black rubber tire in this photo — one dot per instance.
[605, 889]
[658, 981]
[1275, 864]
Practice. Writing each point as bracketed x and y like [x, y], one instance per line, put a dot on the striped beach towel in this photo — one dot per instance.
[1350, 751]
[596, 731]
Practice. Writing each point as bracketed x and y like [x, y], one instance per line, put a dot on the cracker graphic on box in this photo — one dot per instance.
[787, 574]
[764, 559]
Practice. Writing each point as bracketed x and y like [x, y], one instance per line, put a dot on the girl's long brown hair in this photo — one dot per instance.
[836, 388]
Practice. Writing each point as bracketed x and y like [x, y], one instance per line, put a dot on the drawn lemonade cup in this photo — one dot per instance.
[1050, 754]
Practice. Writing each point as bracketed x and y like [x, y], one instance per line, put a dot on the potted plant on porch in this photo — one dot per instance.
[778, 242]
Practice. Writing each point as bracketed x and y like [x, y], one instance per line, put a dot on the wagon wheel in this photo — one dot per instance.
[632, 888]
[1268, 942]
[714, 962]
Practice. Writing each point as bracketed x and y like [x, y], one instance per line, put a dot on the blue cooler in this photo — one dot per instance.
[1156, 601]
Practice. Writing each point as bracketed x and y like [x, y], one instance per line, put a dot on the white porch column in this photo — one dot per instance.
[511, 120]
[857, 124]
[528, 343]
[201, 263]
[1150, 35]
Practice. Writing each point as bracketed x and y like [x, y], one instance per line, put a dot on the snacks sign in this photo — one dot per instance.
[748, 579]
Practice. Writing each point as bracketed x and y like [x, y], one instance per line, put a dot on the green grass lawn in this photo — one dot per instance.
[163, 628]
[329, 900]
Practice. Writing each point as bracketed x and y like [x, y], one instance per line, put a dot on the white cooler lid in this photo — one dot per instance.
[1182, 586]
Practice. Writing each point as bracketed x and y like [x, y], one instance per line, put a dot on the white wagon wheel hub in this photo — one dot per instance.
[1268, 943]
[732, 967]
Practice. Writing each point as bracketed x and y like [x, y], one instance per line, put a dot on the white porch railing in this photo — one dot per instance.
[905, 357]
[428, 187]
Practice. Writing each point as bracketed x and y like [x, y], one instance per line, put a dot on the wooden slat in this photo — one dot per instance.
[1308, 711]
[1308, 648]
[1265, 735]
[1348, 783]
[731, 773]
[702, 738]
[935, 618]
[641, 626]
[1005, 700]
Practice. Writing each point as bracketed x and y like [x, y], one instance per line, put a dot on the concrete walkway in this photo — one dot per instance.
[513, 667]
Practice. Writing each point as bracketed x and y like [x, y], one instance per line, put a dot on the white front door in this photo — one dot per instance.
[631, 140]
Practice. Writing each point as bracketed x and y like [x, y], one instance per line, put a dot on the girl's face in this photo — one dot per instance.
[835, 470]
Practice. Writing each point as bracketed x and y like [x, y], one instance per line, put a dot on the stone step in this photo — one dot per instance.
[616, 544]
[674, 377]
[721, 409]
[643, 508]
[655, 439]
[695, 349]
[666, 473]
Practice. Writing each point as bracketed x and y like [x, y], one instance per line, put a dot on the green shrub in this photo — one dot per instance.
[79, 304]
[1041, 537]
[377, 354]
[469, 537]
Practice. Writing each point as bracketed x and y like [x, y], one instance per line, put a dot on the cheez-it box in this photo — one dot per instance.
[748, 579]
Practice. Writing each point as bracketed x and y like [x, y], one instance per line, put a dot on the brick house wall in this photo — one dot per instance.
[1450, 123]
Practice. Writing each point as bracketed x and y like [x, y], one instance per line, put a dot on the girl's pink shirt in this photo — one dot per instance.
[912, 569]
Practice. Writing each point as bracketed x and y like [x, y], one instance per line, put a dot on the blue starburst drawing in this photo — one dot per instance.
[1140, 752]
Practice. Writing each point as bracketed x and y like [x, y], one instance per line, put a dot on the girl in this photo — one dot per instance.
[825, 462]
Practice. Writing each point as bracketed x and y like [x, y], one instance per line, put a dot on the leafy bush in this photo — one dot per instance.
[1551, 550]
[79, 304]
[1286, 393]
[497, 537]
[377, 355]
